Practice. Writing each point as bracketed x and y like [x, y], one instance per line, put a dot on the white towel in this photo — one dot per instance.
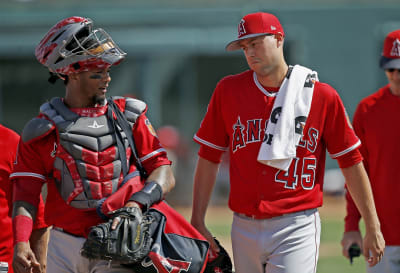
[294, 99]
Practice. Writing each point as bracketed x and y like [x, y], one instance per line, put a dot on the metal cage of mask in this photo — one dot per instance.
[72, 46]
[98, 44]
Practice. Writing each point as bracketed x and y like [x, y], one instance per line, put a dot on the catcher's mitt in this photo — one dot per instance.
[221, 264]
[128, 243]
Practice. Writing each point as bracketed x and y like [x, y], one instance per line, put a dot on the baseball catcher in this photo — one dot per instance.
[97, 154]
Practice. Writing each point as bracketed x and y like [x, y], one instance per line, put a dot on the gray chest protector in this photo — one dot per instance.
[89, 160]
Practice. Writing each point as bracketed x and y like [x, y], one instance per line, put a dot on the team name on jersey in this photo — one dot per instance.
[253, 130]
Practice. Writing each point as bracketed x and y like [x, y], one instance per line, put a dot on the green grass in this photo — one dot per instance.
[338, 264]
[332, 260]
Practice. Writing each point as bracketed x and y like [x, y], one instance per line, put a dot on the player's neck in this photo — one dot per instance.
[395, 90]
[273, 78]
[75, 99]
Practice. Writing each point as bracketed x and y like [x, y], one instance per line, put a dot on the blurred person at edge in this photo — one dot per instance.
[39, 238]
[276, 122]
[377, 123]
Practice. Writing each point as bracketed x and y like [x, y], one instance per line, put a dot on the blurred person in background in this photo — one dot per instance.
[377, 124]
[83, 147]
[38, 241]
[175, 144]
[276, 122]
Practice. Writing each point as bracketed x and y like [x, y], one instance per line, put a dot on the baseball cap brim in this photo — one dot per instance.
[386, 63]
[234, 45]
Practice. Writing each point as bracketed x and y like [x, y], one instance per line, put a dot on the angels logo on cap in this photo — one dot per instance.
[396, 48]
[241, 29]
[256, 24]
[391, 51]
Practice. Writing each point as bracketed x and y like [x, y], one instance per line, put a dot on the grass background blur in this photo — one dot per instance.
[332, 213]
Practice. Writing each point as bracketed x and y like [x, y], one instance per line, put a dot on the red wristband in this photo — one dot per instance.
[22, 228]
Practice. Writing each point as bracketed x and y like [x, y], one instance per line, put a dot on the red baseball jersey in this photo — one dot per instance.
[376, 122]
[8, 147]
[235, 122]
[35, 166]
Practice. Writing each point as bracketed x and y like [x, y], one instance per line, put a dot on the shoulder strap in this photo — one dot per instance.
[123, 123]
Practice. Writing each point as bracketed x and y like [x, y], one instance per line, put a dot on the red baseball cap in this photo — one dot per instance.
[256, 24]
[391, 51]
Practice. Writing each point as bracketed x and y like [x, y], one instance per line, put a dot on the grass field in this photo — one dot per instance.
[219, 221]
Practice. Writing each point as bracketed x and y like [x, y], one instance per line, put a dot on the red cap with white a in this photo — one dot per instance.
[391, 51]
[256, 24]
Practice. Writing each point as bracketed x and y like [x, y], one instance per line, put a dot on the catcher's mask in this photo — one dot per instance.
[72, 45]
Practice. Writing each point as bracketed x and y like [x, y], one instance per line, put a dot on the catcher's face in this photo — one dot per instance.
[93, 86]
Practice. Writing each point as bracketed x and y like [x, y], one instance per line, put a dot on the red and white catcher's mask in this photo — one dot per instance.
[72, 45]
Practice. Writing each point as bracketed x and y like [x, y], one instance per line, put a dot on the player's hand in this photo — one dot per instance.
[24, 260]
[201, 227]
[349, 238]
[373, 247]
[116, 220]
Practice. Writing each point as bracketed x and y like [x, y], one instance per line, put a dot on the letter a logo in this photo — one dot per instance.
[241, 29]
[395, 49]
[238, 137]
[95, 125]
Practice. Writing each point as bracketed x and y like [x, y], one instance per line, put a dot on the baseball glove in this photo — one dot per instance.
[128, 243]
[221, 264]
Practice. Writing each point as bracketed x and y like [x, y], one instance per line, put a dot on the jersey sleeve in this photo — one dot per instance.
[150, 152]
[33, 164]
[341, 140]
[212, 135]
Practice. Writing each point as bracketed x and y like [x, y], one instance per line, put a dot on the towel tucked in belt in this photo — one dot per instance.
[288, 117]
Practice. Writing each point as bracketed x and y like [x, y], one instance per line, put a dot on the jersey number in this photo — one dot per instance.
[290, 178]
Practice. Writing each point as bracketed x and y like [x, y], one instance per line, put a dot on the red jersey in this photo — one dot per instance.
[235, 122]
[376, 122]
[36, 162]
[8, 147]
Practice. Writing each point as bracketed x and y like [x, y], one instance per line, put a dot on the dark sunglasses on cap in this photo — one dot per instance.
[391, 70]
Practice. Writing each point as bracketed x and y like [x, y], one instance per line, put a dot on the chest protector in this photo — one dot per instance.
[87, 166]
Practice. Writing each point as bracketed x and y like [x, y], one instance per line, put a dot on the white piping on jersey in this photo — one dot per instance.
[347, 150]
[262, 89]
[152, 154]
[28, 174]
[209, 144]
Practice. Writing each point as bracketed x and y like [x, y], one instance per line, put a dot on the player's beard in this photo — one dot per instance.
[99, 100]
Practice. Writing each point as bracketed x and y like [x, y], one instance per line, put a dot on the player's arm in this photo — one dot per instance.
[160, 182]
[40, 237]
[24, 258]
[352, 234]
[39, 241]
[204, 180]
[27, 208]
[164, 177]
[359, 187]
